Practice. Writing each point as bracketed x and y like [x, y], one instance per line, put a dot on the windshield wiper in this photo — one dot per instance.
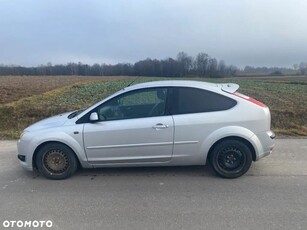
[75, 113]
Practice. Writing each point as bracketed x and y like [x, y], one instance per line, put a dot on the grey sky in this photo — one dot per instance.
[241, 32]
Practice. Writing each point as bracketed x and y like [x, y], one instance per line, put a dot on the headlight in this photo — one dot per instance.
[23, 132]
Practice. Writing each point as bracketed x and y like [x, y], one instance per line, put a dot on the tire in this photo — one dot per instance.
[56, 161]
[231, 158]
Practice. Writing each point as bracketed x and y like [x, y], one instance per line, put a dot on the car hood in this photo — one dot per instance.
[50, 122]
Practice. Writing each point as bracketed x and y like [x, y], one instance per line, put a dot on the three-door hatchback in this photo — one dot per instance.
[162, 123]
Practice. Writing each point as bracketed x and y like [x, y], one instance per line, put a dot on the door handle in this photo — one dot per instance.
[160, 126]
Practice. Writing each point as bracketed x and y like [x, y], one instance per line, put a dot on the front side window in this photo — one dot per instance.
[192, 100]
[136, 104]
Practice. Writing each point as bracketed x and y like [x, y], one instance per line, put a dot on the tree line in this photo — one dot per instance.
[301, 68]
[183, 65]
[298, 69]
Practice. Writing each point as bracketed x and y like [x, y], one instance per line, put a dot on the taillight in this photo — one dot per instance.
[250, 99]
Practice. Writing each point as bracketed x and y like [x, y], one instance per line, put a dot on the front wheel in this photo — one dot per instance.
[56, 161]
[231, 158]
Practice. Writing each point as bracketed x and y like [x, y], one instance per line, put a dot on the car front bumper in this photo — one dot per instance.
[25, 153]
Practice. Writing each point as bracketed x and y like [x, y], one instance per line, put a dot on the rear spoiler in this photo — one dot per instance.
[229, 87]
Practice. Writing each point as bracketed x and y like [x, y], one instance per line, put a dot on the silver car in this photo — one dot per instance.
[162, 123]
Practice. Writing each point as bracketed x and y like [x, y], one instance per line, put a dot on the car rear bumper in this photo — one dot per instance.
[265, 143]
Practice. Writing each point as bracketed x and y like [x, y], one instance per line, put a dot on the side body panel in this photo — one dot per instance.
[129, 141]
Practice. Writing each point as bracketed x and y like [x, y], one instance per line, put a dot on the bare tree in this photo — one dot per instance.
[213, 67]
[303, 68]
[201, 64]
[185, 63]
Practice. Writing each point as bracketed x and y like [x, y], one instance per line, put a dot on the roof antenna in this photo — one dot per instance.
[133, 81]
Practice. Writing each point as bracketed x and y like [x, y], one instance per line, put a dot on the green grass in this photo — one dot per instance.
[286, 100]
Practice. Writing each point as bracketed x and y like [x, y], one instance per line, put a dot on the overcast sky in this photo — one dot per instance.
[241, 32]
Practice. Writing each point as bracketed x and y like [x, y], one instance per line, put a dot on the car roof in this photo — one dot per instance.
[170, 83]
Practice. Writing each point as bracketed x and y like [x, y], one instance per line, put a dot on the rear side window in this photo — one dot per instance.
[192, 100]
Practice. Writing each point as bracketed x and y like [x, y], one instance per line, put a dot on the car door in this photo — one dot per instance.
[133, 128]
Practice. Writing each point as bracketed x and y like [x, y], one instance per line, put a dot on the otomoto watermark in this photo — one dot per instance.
[27, 223]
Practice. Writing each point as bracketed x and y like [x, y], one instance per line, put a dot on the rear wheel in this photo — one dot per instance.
[231, 158]
[56, 161]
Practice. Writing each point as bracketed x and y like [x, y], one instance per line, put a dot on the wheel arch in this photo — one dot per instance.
[38, 148]
[231, 132]
[245, 141]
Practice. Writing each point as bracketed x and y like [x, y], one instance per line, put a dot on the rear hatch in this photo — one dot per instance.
[264, 123]
[232, 89]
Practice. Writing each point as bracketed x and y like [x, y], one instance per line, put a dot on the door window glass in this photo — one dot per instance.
[136, 104]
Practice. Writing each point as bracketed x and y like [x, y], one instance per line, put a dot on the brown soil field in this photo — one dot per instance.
[13, 88]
